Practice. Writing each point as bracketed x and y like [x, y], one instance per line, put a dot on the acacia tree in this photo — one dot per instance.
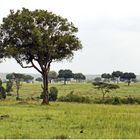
[65, 74]
[105, 87]
[106, 76]
[79, 76]
[128, 77]
[37, 38]
[117, 75]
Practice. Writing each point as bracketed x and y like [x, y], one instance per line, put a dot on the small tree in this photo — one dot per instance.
[17, 77]
[65, 74]
[105, 87]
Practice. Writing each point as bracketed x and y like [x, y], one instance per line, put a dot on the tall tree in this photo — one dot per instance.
[65, 74]
[37, 38]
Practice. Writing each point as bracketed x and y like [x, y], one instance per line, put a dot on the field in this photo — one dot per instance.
[29, 90]
[29, 119]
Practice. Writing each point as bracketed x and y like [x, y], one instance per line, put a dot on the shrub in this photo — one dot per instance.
[116, 100]
[129, 100]
[2, 91]
[53, 94]
[9, 85]
[74, 98]
[61, 137]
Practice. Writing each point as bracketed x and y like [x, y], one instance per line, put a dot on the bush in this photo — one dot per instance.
[130, 100]
[53, 94]
[2, 93]
[9, 85]
[74, 98]
[116, 101]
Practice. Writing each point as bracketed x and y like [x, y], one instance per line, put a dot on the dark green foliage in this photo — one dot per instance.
[128, 77]
[65, 74]
[97, 79]
[53, 94]
[116, 75]
[116, 101]
[61, 137]
[106, 76]
[0, 82]
[9, 76]
[9, 85]
[130, 100]
[2, 91]
[74, 98]
[79, 76]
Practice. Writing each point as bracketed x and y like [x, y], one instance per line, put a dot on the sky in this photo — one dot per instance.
[108, 29]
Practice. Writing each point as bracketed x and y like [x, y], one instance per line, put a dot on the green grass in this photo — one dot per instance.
[30, 119]
[84, 89]
[66, 120]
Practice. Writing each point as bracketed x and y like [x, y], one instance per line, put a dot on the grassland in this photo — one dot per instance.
[84, 89]
[68, 120]
[29, 119]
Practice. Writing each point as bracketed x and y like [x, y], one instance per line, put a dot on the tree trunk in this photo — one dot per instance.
[45, 88]
[17, 98]
[65, 81]
[103, 96]
[17, 88]
[129, 83]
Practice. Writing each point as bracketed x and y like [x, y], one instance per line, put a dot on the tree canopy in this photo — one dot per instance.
[79, 76]
[128, 77]
[105, 87]
[37, 38]
[52, 75]
[65, 74]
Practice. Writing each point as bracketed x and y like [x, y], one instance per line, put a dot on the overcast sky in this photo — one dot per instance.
[108, 29]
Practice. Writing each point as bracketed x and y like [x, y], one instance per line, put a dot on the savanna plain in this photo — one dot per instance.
[27, 118]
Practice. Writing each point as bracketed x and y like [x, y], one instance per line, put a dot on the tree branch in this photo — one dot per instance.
[33, 65]
[21, 64]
